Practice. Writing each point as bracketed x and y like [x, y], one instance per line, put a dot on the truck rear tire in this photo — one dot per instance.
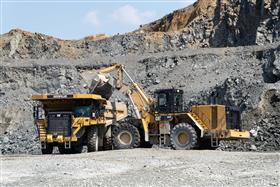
[92, 139]
[125, 136]
[183, 137]
[48, 150]
[107, 143]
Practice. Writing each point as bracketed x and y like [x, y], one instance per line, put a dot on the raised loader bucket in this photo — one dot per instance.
[99, 84]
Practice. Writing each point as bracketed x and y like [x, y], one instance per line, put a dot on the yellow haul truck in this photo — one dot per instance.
[71, 121]
[162, 120]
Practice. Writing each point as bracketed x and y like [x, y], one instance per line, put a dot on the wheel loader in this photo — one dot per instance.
[162, 120]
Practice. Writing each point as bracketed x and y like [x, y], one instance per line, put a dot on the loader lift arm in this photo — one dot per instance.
[141, 102]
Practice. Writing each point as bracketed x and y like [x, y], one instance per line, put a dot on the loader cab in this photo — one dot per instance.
[169, 100]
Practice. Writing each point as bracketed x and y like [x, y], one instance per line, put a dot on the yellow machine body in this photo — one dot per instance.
[110, 112]
[214, 120]
[210, 121]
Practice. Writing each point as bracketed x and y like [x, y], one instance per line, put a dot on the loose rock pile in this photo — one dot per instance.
[20, 138]
[265, 136]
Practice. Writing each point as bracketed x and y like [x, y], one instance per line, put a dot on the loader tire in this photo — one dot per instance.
[48, 150]
[183, 137]
[125, 136]
[92, 139]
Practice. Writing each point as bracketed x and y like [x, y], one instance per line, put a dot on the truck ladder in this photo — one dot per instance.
[162, 140]
[42, 130]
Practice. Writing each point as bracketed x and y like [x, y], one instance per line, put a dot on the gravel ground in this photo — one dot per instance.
[228, 52]
[143, 167]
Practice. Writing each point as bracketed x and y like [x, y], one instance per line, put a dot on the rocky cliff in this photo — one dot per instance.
[207, 23]
[221, 23]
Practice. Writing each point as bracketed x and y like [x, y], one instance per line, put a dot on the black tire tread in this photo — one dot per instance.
[48, 150]
[92, 137]
[62, 150]
[107, 143]
[132, 129]
[77, 148]
[192, 134]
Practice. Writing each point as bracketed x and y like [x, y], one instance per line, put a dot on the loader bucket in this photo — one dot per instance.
[98, 84]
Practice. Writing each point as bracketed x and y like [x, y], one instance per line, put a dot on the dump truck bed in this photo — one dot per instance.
[70, 96]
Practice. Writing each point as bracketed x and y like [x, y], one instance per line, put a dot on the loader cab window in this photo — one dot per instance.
[178, 99]
[162, 99]
[169, 100]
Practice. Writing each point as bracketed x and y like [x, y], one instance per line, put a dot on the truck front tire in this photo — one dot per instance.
[92, 139]
[48, 150]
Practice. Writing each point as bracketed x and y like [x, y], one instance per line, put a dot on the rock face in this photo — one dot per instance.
[19, 44]
[207, 23]
[158, 55]
[272, 65]
[220, 23]
[265, 126]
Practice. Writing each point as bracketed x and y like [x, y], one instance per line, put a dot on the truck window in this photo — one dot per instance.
[83, 111]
